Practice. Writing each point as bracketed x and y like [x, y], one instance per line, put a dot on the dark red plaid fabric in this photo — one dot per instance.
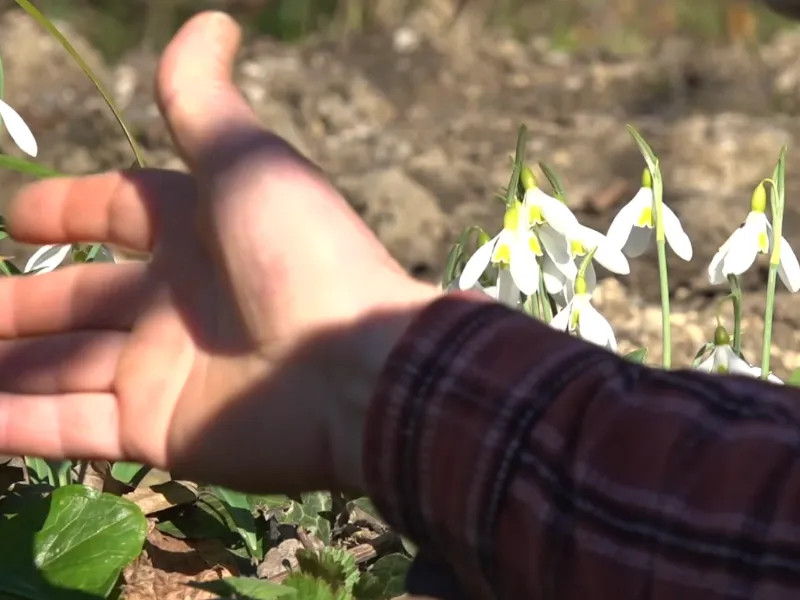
[541, 466]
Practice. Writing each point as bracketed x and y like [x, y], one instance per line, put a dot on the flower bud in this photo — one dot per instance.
[721, 337]
[528, 178]
[647, 178]
[758, 203]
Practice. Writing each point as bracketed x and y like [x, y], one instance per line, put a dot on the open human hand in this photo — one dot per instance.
[244, 353]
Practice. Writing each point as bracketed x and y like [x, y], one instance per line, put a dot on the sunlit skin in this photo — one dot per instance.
[201, 361]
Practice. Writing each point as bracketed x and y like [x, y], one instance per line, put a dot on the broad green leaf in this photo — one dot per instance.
[637, 356]
[794, 378]
[26, 167]
[204, 520]
[268, 503]
[237, 505]
[76, 539]
[248, 588]
[310, 514]
[387, 578]
[334, 566]
[555, 182]
[309, 588]
[129, 473]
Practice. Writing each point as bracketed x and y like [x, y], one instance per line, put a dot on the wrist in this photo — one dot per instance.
[360, 361]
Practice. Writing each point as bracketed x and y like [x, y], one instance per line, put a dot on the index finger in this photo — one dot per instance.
[126, 208]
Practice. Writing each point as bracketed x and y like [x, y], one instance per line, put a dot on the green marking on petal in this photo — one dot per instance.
[577, 248]
[511, 218]
[646, 218]
[722, 370]
[763, 242]
[535, 215]
[502, 254]
[535, 246]
[573, 320]
[580, 286]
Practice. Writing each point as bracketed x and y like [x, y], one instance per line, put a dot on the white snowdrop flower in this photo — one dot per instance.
[504, 291]
[516, 249]
[633, 228]
[18, 130]
[579, 316]
[571, 250]
[724, 360]
[559, 280]
[754, 237]
[47, 258]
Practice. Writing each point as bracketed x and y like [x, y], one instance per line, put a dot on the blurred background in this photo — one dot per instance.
[412, 107]
[115, 26]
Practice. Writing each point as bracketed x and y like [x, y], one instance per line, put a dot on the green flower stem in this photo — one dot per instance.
[547, 309]
[736, 299]
[48, 25]
[532, 306]
[661, 246]
[776, 198]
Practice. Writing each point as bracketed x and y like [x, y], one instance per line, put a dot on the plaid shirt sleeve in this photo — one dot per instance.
[541, 466]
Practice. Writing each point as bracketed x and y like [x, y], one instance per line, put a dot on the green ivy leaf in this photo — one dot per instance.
[238, 507]
[309, 588]
[334, 566]
[242, 588]
[637, 356]
[206, 519]
[386, 579]
[310, 515]
[74, 540]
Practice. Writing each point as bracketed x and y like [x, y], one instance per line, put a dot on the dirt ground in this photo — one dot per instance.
[416, 122]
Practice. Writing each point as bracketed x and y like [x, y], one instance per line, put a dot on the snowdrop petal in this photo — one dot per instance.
[707, 365]
[789, 269]
[561, 320]
[638, 242]
[593, 327]
[18, 130]
[524, 268]
[477, 264]
[623, 223]
[557, 214]
[715, 274]
[556, 244]
[736, 365]
[756, 372]
[742, 251]
[676, 236]
[554, 278]
[47, 258]
[611, 257]
[507, 290]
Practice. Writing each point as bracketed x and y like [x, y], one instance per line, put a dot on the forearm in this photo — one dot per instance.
[536, 463]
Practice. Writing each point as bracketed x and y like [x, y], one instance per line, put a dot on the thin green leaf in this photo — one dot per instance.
[40, 470]
[698, 358]
[647, 152]
[241, 588]
[238, 506]
[76, 540]
[794, 378]
[2, 89]
[26, 167]
[555, 182]
[637, 356]
[519, 160]
[50, 28]
[8, 268]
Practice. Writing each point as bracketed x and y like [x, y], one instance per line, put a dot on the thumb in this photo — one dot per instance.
[208, 118]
